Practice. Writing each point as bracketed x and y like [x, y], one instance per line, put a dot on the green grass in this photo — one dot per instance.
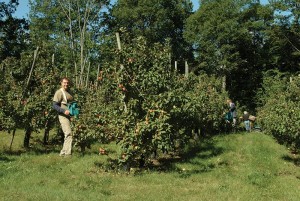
[230, 167]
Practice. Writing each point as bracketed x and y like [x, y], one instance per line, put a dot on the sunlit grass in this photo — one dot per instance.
[230, 167]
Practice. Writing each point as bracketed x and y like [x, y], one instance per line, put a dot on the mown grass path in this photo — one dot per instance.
[239, 166]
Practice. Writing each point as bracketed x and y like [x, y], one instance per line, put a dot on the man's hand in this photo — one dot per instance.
[67, 112]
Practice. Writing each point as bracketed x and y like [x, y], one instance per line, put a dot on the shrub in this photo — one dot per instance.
[279, 113]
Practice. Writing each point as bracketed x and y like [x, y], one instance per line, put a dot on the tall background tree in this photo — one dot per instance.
[70, 30]
[217, 31]
[239, 40]
[157, 21]
[284, 36]
[244, 81]
[13, 31]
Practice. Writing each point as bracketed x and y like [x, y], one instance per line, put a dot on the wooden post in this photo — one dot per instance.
[52, 60]
[87, 75]
[32, 66]
[122, 67]
[81, 79]
[170, 66]
[30, 73]
[224, 83]
[175, 66]
[186, 69]
[118, 40]
[119, 46]
[97, 78]
[76, 74]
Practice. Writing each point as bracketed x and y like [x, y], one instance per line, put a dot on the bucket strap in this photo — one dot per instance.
[65, 101]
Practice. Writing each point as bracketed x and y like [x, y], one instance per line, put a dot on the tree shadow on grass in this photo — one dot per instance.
[294, 159]
[33, 150]
[43, 150]
[196, 154]
[14, 152]
[202, 151]
[37, 147]
[5, 159]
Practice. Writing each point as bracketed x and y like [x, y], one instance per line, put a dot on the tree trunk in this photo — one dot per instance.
[46, 133]
[28, 132]
[12, 139]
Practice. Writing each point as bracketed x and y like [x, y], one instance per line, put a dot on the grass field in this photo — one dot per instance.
[238, 166]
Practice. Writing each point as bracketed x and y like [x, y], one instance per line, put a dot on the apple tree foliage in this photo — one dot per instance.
[28, 90]
[279, 113]
[148, 108]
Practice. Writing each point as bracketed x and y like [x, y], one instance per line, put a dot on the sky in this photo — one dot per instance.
[23, 8]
